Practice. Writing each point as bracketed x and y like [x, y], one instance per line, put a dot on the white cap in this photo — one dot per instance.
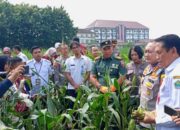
[57, 44]
[51, 51]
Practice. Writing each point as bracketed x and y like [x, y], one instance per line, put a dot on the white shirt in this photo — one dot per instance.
[43, 68]
[23, 57]
[77, 67]
[169, 93]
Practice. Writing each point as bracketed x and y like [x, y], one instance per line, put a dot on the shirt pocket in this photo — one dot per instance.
[72, 67]
[100, 71]
[151, 86]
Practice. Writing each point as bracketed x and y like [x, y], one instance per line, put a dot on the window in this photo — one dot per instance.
[146, 37]
[146, 32]
[141, 37]
[135, 37]
[128, 36]
[109, 31]
[88, 35]
[97, 31]
[97, 36]
[103, 30]
[103, 36]
[141, 31]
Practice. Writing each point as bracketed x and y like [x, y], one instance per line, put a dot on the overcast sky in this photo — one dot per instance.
[161, 16]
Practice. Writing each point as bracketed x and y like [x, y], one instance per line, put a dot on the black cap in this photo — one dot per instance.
[105, 43]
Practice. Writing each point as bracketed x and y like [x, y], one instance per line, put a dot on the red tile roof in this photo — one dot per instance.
[113, 24]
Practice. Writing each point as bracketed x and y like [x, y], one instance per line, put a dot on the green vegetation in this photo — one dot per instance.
[27, 25]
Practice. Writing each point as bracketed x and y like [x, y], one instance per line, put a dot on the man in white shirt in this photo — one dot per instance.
[40, 70]
[17, 51]
[77, 69]
[168, 52]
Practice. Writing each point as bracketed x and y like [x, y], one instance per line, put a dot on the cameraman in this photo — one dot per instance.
[11, 78]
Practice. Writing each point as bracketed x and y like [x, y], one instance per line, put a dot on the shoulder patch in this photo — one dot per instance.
[176, 77]
[97, 58]
[177, 84]
[118, 57]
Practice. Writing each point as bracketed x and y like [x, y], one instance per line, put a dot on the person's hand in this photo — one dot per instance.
[14, 74]
[103, 89]
[176, 119]
[55, 64]
[149, 117]
[112, 88]
[76, 86]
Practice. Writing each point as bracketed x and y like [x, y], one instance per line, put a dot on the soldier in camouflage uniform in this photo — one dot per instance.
[106, 65]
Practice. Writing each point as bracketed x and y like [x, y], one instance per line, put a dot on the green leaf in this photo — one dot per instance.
[44, 111]
[92, 95]
[34, 117]
[115, 113]
[70, 98]
[67, 116]
[51, 107]
[85, 108]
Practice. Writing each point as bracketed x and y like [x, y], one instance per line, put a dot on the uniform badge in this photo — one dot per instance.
[149, 85]
[148, 92]
[154, 75]
[115, 66]
[177, 84]
[176, 77]
[38, 81]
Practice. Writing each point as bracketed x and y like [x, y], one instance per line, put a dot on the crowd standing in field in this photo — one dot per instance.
[157, 77]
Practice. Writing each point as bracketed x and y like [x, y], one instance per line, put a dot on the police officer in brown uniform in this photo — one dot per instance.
[135, 69]
[150, 81]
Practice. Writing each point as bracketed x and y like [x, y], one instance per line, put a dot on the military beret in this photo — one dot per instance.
[105, 43]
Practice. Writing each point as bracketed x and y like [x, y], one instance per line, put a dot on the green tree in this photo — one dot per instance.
[30, 25]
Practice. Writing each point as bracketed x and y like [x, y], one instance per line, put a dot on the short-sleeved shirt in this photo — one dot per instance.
[44, 69]
[23, 57]
[133, 69]
[150, 84]
[59, 77]
[169, 92]
[111, 66]
[77, 67]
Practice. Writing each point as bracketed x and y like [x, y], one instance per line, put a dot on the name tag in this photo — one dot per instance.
[38, 81]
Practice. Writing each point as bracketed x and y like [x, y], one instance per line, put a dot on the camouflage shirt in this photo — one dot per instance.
[107, 67]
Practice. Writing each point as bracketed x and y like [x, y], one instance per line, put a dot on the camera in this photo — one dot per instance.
[3, 74]
[26, 70]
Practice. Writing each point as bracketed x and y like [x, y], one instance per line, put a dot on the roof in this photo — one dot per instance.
[84, 31]
[114, 23]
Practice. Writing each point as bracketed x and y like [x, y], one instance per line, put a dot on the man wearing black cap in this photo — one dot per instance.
[107, 64]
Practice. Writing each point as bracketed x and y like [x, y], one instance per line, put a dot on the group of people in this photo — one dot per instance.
[155, 71]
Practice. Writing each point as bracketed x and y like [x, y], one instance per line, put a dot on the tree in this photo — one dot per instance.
[30, 25]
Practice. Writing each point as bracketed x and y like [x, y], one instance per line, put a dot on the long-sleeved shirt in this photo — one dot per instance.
[4, 86]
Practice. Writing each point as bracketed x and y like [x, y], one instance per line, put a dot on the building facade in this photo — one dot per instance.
[123, 31]
[86, 36]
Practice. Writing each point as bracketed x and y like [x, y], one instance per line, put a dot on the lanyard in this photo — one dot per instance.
[39, 68]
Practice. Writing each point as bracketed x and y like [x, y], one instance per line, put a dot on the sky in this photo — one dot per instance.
[160, 16]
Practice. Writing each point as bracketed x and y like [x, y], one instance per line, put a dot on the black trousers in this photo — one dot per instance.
[71, 92]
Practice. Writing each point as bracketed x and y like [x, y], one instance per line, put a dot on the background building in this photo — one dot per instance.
[86, 36]
[123, 31]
